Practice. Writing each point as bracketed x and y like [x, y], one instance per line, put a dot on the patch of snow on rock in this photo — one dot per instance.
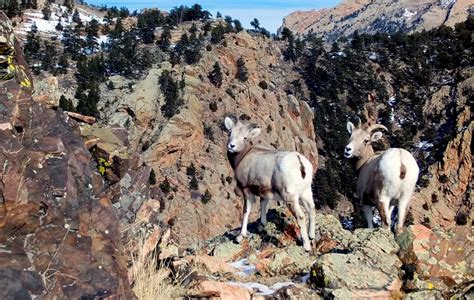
[261, 289]
[408, 14]
[244, 266]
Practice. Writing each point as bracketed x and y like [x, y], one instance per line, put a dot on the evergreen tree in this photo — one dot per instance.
[286, 34]
[145, 30]
[217, 34]
[13, 9]
[170, 90]
[66, 104]
[206, 28]
[242, 72]
[228, 24]
[32, 45]
[165, 39]
[63, 64]
[238, 26]
[69, 4]
[72, 42]
[215, 76]
[48, 56]
[255, 24]
[76, 18]
[59, 26]
[92, 32]
[192, 52]
[46, 12]
[87, 100]
[218, 15]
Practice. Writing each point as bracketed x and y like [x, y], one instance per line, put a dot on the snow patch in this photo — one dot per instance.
[447, 3]
[373, 55]
[49, 26]
[261, 289]
[244, 266]
[392, 101]
[425, 145]
[408, 14]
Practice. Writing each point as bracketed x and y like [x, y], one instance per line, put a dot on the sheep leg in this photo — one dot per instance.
[298, 212]
[369, 215]
[248, 206]
[263, 212]
[384, 210]
[307, 199]
[402, 211]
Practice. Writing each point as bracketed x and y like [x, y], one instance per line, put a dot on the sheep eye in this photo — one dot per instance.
[366, 141]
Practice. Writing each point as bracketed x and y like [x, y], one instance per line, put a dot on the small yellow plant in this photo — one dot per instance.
[103, 165]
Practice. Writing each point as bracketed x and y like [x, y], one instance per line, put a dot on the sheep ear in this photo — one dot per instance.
[376, 136]
[254, 132]
[350, 127]
[229, 123]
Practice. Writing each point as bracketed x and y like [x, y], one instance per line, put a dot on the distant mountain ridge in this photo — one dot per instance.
[372, 16]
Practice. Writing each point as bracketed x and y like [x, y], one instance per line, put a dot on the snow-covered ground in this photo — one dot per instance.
[49, 26]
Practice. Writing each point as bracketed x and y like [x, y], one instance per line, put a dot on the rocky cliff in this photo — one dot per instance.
[371, 17]
[195, 135]
[59, 235]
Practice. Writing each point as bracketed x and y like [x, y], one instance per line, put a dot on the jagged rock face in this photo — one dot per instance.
[59, 236]
[448, 192]
[196, 135]
[378, 16]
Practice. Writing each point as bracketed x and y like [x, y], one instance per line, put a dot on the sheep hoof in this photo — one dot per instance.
[260, 227]
[239, 238]
[312, 235]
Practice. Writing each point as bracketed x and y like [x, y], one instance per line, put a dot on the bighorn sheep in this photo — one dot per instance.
[385, 179]
[270, 174]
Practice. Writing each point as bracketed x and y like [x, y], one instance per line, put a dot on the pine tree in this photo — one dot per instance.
[46, 12]
[48, 56]
[92, 29]
[13, 9]
[165, 39]
[32, 45]
[255, 24]
[238, 26]
[217, 34]
[218, 15]
[87, 100]
[66, 104]
[242, 72]
[145, 29]
[170, 90]
[59, 27]
[228, 24]
[76, 18]
[192, 52]
[215, 76]
[69, 4]
[63, 64]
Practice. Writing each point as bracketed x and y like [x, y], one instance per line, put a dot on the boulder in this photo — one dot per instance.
[368, 251]
[441, 260]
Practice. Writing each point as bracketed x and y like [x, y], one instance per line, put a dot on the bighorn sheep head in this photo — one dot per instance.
[239, 133]
[361, 139]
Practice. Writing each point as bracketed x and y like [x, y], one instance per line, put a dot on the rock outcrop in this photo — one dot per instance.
[59, 236]
[378, 16]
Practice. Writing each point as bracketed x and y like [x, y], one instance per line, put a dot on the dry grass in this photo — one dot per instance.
[151, 280]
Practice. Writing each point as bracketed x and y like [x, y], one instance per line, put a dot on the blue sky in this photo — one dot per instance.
[269, 12]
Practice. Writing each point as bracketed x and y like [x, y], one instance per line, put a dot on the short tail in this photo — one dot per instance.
[302, 169]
